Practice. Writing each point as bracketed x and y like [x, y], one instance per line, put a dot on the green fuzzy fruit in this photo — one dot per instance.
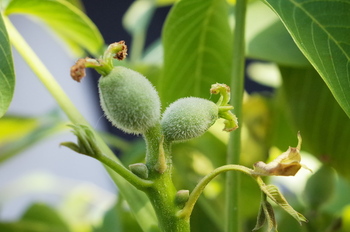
[129, 100]
[188, 118]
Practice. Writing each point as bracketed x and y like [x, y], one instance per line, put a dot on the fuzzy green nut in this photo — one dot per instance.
[188, 118]
[129, 100]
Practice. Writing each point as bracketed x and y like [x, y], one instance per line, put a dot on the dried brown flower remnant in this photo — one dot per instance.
[286, 164]
[120, 55]
[77, 71]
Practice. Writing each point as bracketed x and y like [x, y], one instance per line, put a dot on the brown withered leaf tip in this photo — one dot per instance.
[77, 71]
[121, 55]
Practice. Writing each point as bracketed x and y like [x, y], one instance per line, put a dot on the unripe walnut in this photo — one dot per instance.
[188, 118]
[129, 100]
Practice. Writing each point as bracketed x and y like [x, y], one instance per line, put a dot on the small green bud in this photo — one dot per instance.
[188, 118]
[182, 197]
[129, 100]
[139, 169]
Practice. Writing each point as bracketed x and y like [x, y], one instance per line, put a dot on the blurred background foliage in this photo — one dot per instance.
[284, 94]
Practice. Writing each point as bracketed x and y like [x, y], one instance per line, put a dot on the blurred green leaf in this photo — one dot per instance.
[76, 3]
[165, 2]
[275, 44]
[321, 30]
[71, 24]
[15, 127]
[119, 218]
[19, 133]
[197, 49]
[7, 74]
[138, 16]
[320, 187]
[313, 110]
[42, 213]
[28, 226]
[268, 39]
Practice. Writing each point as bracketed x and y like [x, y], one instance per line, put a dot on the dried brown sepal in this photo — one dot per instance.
[77, 71]
[286, 164]
[121, 55]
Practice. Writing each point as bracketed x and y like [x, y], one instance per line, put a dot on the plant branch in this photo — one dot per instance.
[237, 89]
[197, 191]
[43, 74]
[139, 203]
[122, 171]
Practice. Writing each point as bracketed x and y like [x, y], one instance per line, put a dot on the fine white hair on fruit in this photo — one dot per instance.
[129, 100]
[188, 118]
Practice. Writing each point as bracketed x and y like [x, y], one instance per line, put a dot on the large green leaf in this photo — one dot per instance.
[197, 49]
[267, 38]
[321, 30]
[7, 74]
[71, 24]
[324, 126]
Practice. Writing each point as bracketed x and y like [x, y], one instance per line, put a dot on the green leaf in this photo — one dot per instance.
[270, 216]
[71, 24]
[320, 187]
[323, 124]
[138, 16]
[321, 30]
[42, 213]
[7, 74]
[261, 218]
[268, 39]
[28, 226]
[165, 2]
[119, 218]
[275, 195]
[19, 133]
[197, 49]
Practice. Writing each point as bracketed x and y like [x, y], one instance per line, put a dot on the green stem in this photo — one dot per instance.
[197, 191]
[237, 88]
[125, 173]
[137, 46]
[43, 73]
[139, 204]
[162, 193]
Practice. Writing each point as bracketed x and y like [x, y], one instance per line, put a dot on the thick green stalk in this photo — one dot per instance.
[237, 89]
[162, 193]
[138, 202]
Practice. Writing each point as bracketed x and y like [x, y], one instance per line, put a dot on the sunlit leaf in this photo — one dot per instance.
[14, 128]
[321, 30]
[7, 74]
[314, 111]
[19, 133]
[197, 49]
[268, 39]
[71, 24]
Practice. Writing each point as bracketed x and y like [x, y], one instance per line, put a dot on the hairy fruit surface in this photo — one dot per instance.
[129, 100]
[188, 118]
